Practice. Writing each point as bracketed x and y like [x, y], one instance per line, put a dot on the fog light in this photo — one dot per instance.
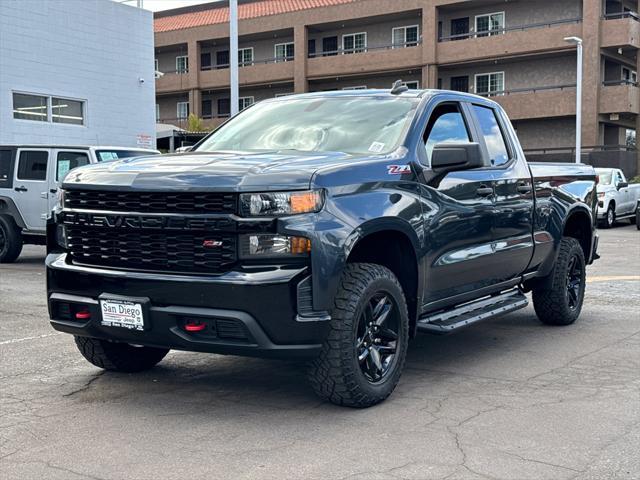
[273, 246]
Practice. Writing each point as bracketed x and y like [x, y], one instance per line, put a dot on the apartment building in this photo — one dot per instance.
[511, 50]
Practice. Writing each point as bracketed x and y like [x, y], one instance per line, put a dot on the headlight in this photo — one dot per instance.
[280, 203]
[273, 246]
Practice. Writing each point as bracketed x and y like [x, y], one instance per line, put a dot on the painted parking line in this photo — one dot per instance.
[25, 339]
[614, 278]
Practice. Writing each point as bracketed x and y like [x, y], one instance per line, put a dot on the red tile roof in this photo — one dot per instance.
[259, 8]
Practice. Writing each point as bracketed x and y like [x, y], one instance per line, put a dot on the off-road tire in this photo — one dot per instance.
[10, 240]
[119, 357]
[638, 218]
[335, 374]
[610, 217]
[551, 300]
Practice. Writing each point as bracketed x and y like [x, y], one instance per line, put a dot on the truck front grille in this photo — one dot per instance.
[151, 202]
[157, 250]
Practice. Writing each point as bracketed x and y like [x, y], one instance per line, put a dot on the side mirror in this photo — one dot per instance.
[449, 157]
[623, 185]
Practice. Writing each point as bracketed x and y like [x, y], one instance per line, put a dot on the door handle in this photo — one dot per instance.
[53, 190]
[21, 188]
[523, 188]
[484, 191]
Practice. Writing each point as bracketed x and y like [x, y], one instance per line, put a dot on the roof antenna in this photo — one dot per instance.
[398, 87]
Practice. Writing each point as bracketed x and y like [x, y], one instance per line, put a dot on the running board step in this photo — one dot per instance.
[472, 312]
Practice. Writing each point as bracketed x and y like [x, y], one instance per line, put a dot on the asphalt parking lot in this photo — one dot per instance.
[507, 399]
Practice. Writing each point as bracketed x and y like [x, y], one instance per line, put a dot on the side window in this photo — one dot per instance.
[493, 136]
[33, 165]
[5, 168]
[446, 125]
[68, 161]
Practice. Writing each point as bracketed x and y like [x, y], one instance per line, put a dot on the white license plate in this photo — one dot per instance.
[122, 313]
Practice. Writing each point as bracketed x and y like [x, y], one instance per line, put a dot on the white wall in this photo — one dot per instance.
[94, 50]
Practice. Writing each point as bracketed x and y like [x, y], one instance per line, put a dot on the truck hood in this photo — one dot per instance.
[210, 171]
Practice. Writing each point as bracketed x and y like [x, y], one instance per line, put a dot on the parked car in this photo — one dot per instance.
[329, 227]
[617, 198]
[29, 177]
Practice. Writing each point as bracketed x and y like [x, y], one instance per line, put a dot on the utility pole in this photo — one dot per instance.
[233, 56]
[577, 41]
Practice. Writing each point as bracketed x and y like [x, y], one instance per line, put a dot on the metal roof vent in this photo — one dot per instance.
[398, 87]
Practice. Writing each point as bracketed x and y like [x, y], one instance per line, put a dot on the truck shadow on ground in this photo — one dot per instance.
[223, 382]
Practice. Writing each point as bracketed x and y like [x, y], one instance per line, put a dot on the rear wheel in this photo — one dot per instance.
[364, 354]
[119, 357]
[559, 301]
[638, 217]
[10, 240]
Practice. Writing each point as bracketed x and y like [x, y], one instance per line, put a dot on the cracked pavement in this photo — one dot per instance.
[505, 399]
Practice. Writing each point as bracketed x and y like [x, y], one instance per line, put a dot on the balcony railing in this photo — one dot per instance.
[512, 91]
[501, 31]
[349, 51]
[619, 15]
[609, 83]
[265, 61]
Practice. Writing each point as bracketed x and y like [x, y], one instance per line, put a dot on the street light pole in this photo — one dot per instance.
[233, 55]
[577, 41]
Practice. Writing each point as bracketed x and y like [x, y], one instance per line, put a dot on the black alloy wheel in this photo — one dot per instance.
[574, 282]
[377, 337]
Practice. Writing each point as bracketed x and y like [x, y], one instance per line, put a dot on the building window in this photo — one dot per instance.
[460, 84]
[489, 83]
[182, 110]
[207, 108]
[244, 102]
[404, 36]
[283, 52]
[629, 76]
[43, 108]
[359, 87]
[311, 47]
[67, 111]
[245, 56]
[354, 43]
[630, 139]
[33, 165]
[30, 107]
[224, 107]
[182, 64]
[490, 24]
[413, 85]
[157, 112]
[205, 61]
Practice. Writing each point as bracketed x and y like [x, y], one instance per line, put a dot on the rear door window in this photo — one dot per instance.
[493, 135]
[33, 165]
[6, 164]
[66, 161]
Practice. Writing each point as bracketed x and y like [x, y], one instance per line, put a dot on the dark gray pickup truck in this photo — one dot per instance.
[329, 227]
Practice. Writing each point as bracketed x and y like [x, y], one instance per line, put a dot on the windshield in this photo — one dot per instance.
[356, 125]
[604, 176]
[109, 155]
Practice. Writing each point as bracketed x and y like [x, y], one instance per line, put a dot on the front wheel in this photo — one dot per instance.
[10, 240]
[610, 217]
[559, 300]
[363, 356]
[119, 357]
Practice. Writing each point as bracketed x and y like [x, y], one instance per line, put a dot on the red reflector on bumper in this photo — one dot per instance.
[195, 327]
[83, 315]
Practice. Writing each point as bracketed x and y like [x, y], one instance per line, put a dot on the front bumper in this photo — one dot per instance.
[250, 312]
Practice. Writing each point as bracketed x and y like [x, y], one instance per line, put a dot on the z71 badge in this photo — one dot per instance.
[398, 169]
